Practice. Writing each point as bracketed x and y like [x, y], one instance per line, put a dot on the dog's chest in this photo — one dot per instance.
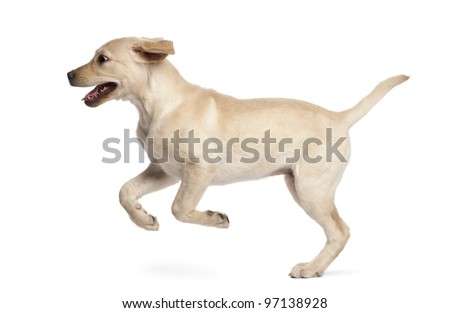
[160, 149]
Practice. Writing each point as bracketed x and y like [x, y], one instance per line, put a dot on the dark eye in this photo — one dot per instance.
[102, 59]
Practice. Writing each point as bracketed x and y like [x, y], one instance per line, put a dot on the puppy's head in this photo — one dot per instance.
[119, 68]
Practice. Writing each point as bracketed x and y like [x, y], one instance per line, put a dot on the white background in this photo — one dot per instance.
[68, 246]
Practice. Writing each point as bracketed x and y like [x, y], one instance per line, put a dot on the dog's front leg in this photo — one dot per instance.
[195, 180]
[150, 180]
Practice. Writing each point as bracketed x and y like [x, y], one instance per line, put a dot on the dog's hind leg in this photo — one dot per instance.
[195, 180]
[316, 196]
[150, 180]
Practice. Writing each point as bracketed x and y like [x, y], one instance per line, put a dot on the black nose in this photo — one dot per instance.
[71, 75]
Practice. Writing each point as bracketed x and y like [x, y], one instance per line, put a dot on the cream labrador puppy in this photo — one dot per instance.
[202, 137]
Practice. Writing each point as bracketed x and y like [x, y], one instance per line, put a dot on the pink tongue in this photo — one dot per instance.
[92, 94]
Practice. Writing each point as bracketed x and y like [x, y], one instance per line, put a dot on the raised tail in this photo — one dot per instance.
[354, 114]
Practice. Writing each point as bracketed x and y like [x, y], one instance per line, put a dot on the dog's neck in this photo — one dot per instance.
[161, 94]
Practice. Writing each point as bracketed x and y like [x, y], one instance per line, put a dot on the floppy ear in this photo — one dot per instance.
[151, 50]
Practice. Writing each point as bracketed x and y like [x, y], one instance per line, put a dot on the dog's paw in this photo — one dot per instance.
[304, 270]
[219, 220]
[144, 220]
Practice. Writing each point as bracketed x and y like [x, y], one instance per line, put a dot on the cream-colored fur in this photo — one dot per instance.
[167, 103]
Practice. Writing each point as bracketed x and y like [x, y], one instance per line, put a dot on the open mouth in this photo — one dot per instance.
[99, 92]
